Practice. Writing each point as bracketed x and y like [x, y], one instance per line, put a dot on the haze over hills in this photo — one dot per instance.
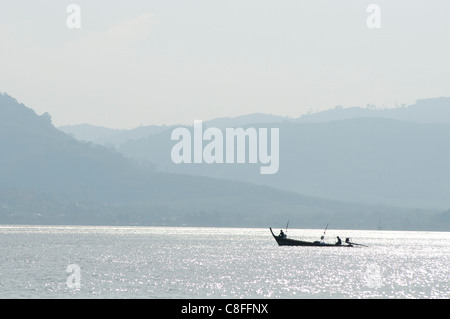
[368, 159]
[107, 136]
[432, 110]
[48, 177]
[115, 137]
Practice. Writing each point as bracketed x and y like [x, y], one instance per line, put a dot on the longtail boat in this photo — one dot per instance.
[282, 240]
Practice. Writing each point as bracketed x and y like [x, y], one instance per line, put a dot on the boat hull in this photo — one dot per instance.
[283, 241]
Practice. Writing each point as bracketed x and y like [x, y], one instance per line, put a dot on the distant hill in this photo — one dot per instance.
[115, 137]
[36, 155]
[433, 110]
[107, 136]
[367, 160]
[48, 177]
[245, 120]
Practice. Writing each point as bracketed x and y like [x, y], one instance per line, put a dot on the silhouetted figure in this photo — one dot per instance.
[282, 234]
[339, 241]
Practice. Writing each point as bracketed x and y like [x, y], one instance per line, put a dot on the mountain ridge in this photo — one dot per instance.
[431, 110]
[48, 177]
[362, 159]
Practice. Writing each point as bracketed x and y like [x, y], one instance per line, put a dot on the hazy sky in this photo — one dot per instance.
[154, 62]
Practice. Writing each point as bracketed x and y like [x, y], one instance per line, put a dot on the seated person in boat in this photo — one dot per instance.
[282, 234]
[339, 241]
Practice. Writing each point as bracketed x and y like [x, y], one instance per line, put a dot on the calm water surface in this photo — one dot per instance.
[160, 262]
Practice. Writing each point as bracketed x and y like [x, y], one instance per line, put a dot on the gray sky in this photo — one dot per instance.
[168, 62]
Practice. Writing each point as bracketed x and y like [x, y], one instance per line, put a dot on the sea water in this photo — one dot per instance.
[182, 262]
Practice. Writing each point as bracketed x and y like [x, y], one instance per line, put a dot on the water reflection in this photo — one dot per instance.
[156, 262]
